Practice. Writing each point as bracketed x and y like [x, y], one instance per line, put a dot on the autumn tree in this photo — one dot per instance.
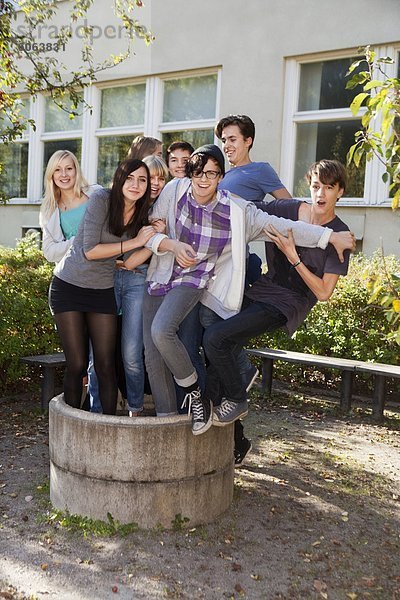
[28, 64]
[379, 138]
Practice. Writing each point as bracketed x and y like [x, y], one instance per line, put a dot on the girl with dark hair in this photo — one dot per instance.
[82, 295]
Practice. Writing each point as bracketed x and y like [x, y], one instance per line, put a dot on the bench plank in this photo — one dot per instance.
[303, 358]
[379, 369]
[347, 366]
[54, 360]
[48, 362]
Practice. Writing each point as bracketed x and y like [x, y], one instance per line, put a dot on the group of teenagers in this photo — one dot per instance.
[172, 261]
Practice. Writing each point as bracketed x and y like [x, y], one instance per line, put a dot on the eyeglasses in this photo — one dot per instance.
[207, 174]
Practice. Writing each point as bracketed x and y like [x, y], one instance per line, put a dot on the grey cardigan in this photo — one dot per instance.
[224, 294]
[75, 268]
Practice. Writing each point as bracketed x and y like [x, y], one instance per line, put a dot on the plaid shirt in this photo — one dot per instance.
[207, 229]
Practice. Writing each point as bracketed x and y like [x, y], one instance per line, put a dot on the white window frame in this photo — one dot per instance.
[375, 190]
[25, 139]
[91, 132]
[37, 140]
[167, 127]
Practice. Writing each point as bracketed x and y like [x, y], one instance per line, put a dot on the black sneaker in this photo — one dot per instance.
[241, 451]
[189, 398]
[201, 415]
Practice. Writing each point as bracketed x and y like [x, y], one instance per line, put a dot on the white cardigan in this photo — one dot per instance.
[54, 244]
[224, 294]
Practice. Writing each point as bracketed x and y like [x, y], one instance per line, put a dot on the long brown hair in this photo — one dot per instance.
[143, 146]
[116, 210]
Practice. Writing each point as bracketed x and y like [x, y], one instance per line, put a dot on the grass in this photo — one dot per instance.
[86, 526]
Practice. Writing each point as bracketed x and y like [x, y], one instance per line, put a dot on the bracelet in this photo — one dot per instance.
[121, 248]
[296, 264]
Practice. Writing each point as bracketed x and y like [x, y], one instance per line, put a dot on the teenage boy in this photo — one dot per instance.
[178, 153]
[190, 330]
[251, 181]
[247, 179]
[297, 278]
[203, 260]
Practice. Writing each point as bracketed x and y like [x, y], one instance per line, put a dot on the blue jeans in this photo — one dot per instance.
[191, 334]
[129, 288]
[222, 340]
[93, 385]
[207, 318]
[166, 356]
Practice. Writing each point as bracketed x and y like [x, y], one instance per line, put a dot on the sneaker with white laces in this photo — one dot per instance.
[229, 411]
[201, 415]
[201, 410]
[189, 398]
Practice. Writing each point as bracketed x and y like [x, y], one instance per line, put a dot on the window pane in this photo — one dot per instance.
[14, 176]
[57, 119]
[111, 151]
[316, 141]
[123, 106]
[197, 138]
[323, 85]
[190, 98]
[22, 108]
[74, 146]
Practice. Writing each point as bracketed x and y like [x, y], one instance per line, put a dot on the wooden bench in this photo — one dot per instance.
[48, 362]
[347, 367]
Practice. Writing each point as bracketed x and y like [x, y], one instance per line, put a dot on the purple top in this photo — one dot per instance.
[207, 229]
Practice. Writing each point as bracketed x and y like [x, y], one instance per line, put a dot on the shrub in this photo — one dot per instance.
[26, 324]
[346, 326]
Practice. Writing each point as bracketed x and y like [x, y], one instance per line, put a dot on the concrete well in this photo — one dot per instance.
[142, 470]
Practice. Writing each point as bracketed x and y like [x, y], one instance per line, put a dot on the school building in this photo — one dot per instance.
[282, 62]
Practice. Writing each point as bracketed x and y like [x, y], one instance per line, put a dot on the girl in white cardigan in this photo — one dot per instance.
[66, 193]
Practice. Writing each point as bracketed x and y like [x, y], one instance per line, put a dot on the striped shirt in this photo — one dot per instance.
[206, 228]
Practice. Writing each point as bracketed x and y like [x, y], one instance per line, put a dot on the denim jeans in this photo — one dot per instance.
[222, 339]
[207, 318]
[166, 356]
[129, 288]
[191, 335]
[93, 385]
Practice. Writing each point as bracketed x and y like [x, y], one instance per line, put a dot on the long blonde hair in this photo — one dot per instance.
[51, 192]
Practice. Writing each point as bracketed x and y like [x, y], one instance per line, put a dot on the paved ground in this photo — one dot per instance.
[315, 515]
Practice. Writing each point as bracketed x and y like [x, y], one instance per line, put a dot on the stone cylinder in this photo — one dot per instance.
[144, 470]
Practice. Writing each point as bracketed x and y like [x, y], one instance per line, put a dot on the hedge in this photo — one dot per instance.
[346, 326]
[26, 324]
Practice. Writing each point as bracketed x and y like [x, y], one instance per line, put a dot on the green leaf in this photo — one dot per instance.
[372, 84]
[358, 100]
[358, 154]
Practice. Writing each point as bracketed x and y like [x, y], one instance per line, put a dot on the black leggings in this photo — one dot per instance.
[75, 329]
